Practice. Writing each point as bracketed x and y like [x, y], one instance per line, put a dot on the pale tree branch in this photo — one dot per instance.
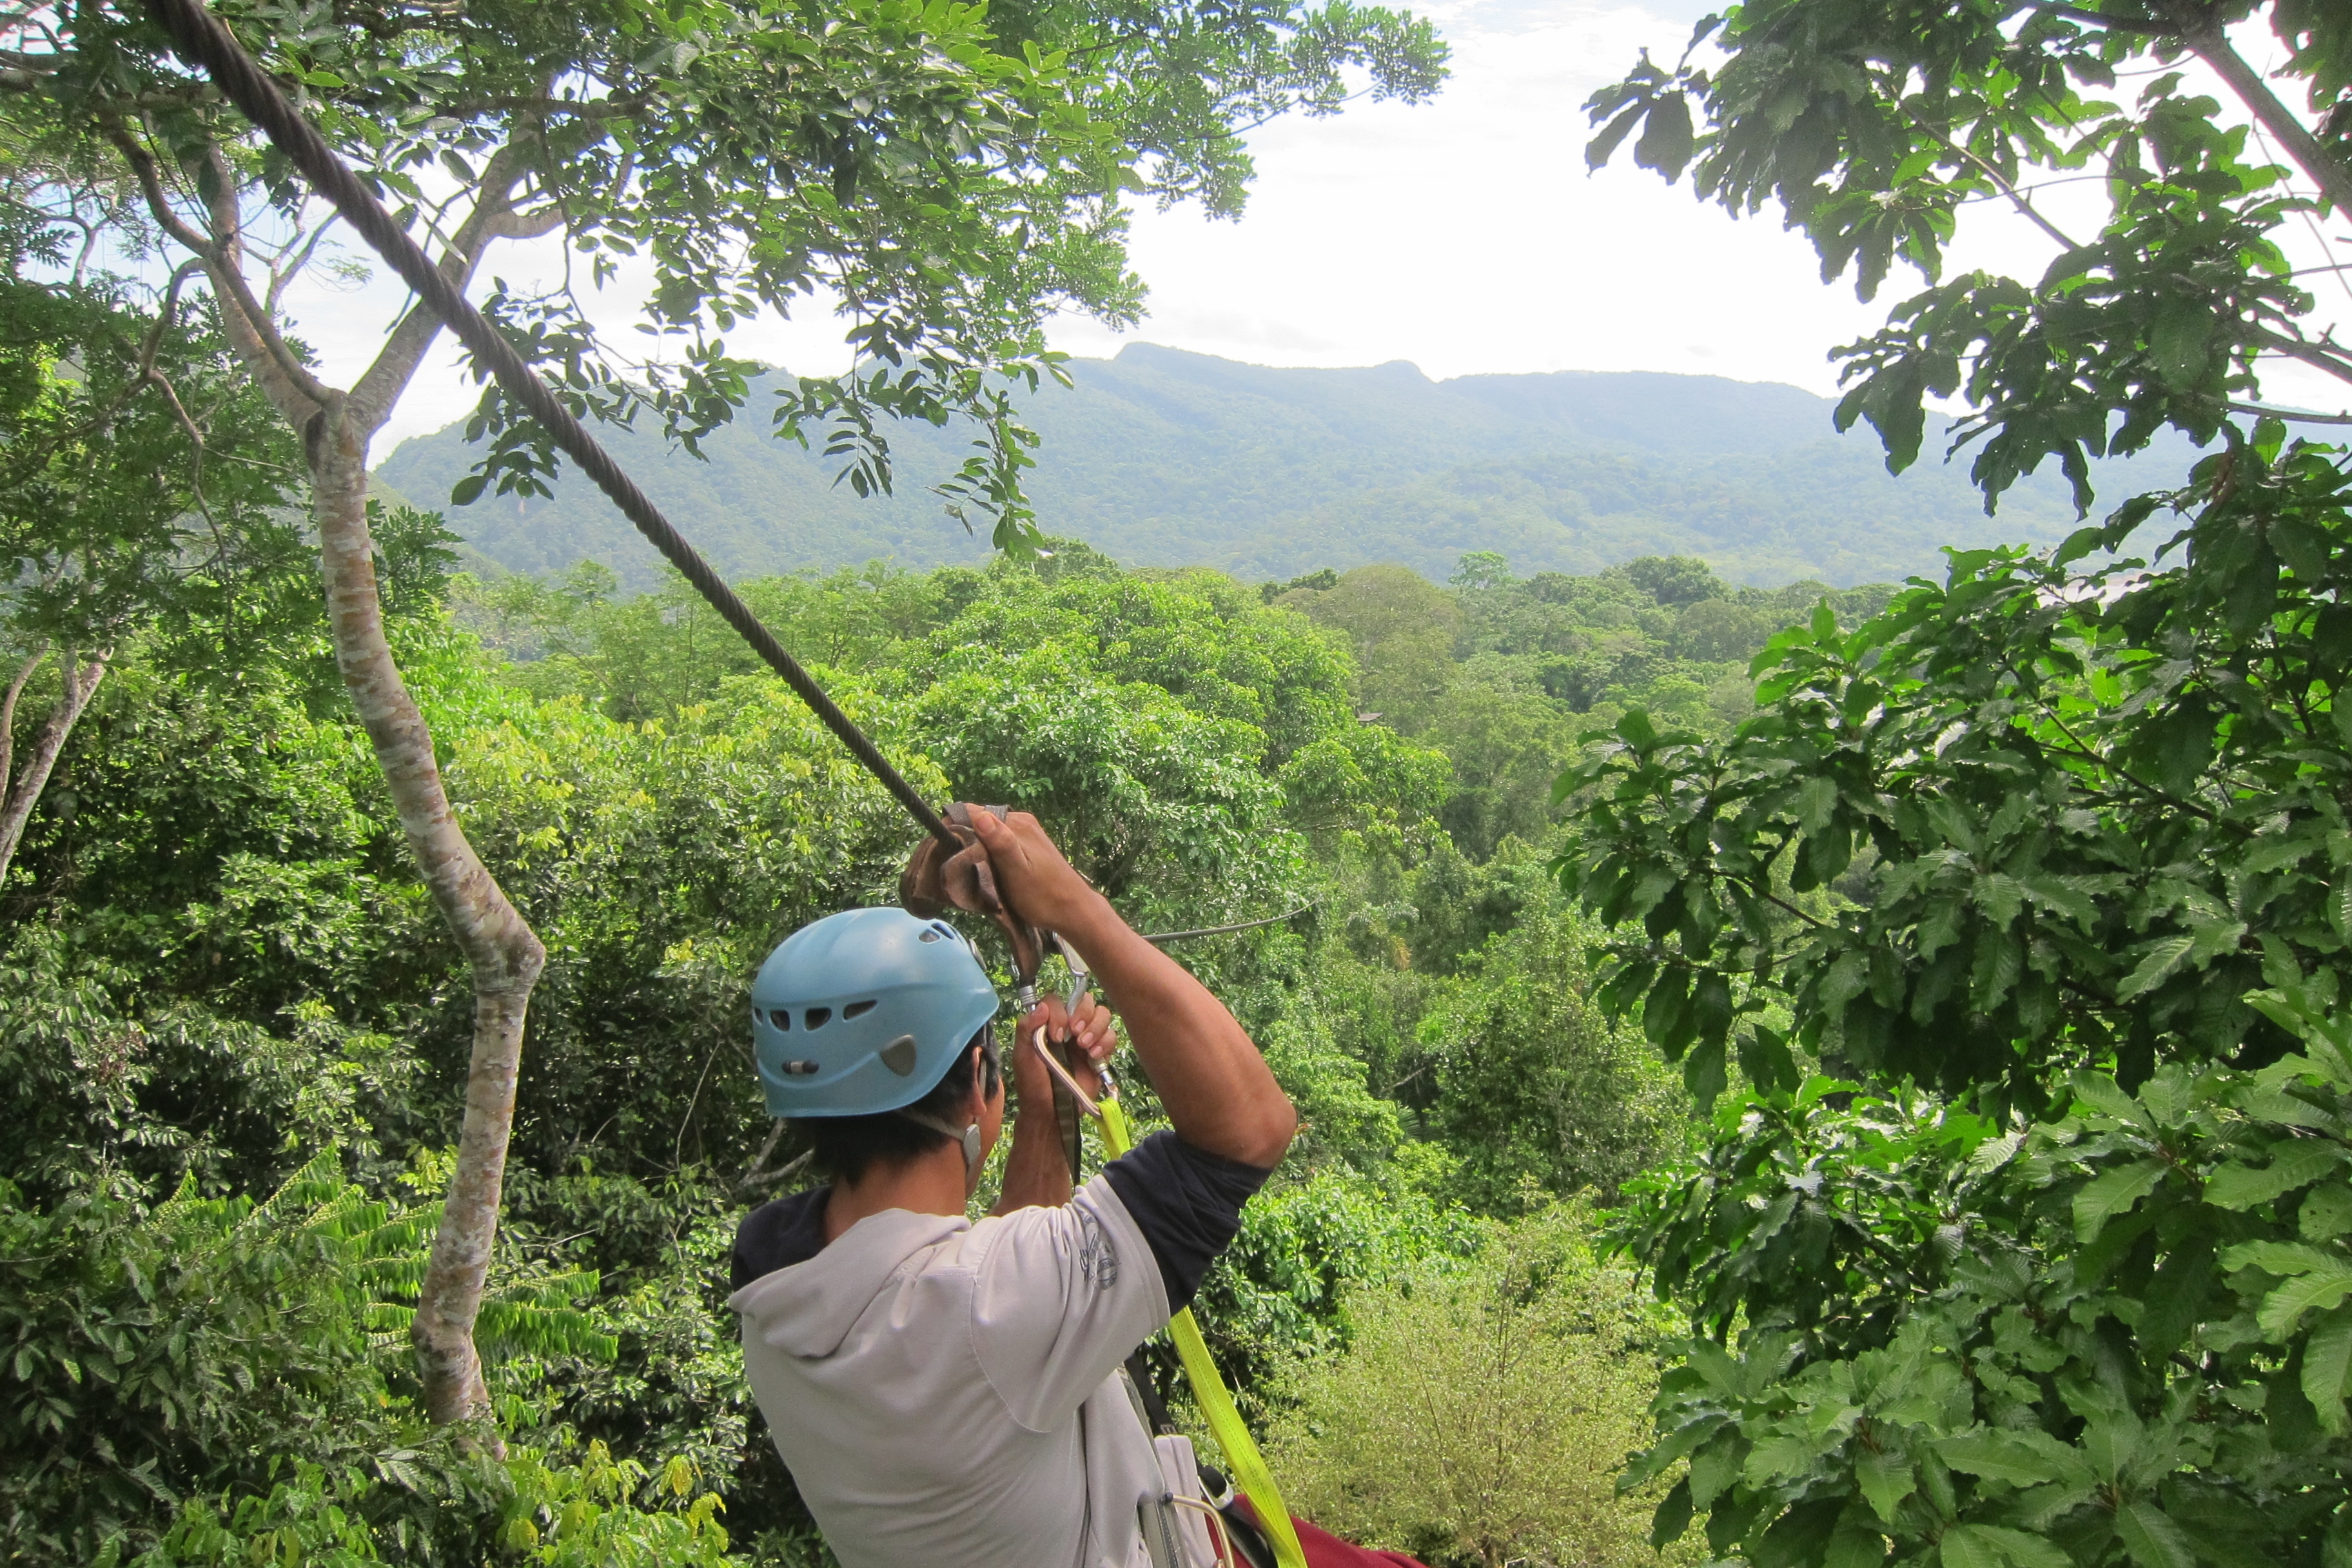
[379, 387]
[2316, 355]
[296, 393]
[501, 951]
[530, 224]
[79, 682]
[281, 275]
[8, 711]
[2084, 14]
[2293, 414]
[2326, 170]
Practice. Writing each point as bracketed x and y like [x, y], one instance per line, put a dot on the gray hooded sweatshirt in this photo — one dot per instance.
[945, 1392]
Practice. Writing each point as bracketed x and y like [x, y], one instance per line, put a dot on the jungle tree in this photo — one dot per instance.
[2020, 907]
[951, 176]
[140, 478]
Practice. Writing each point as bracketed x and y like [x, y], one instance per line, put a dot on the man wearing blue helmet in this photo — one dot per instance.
[946, 1391]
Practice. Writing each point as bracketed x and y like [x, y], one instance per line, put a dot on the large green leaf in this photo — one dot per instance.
[2294, 1163]
[1886, 1479]
[2328, 1368]
[2321, 1289]
[2114, 1192]
[2158, 961]
[1997, 1455]
[2153, 1541]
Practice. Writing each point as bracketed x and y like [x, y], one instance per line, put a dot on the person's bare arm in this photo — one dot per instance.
[1214, 1084]
[1036, 1172]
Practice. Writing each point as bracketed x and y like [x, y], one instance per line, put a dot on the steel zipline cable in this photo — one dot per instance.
[203, 41]
[1159, 936]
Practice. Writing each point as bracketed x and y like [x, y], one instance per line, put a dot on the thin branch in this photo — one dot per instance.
[2002, 183]
[1220, 931]
[279, 276]
[2090, 753]
[166, 315]
[2101, 19]
[8, 712]
[781, 1174]
[196, 462]
[767, 1147]
[1406, 1079]
[1774, 898]
[2288, 414]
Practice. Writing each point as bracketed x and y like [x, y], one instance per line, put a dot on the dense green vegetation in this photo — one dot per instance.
[1986, 1137]
[1162, 457]
[2008, 934]
[224, 988]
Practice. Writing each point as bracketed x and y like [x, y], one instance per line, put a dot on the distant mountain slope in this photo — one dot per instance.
[1164, 458]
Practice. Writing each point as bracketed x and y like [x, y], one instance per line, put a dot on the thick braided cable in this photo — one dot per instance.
[203, 41]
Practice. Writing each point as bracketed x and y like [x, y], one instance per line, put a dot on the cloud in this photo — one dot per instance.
[1465, 235]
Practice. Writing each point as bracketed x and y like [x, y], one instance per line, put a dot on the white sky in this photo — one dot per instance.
[1464, 235]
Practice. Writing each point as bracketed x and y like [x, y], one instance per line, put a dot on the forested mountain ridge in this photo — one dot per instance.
[1163, 458]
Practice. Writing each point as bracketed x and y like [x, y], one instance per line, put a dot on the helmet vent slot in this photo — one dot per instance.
[858, 1009]
[899, 1054]
[817, 1017]
[800, 1069]
[929, 933]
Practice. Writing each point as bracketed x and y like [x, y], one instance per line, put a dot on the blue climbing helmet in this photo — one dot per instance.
[862, 1012]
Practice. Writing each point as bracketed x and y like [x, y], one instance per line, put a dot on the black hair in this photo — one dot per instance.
[846, 1147]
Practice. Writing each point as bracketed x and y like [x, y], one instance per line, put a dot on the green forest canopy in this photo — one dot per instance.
[221, 978]
[2001, 925]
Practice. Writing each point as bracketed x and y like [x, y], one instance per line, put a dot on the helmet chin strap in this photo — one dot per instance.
[967, 1136]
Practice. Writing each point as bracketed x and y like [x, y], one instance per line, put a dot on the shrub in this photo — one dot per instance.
[1534, 1083]
[1484, 1410]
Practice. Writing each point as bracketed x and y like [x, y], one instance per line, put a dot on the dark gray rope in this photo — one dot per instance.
[205, 42]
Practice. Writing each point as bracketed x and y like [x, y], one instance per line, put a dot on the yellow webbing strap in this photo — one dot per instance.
[1209, 1393]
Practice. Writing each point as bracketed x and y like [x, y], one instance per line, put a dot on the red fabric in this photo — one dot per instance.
[1325, 1550]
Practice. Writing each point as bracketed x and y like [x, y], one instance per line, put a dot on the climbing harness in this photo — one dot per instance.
[950, 869]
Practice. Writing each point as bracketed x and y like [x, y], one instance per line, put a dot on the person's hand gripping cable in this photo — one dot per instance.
[1210, 1079]
[935, 881]
[1081, 1037]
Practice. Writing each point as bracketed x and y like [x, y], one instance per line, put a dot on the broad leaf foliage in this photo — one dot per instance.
[2016, 908]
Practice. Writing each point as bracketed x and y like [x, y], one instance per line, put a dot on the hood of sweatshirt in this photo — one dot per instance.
[809, 1309]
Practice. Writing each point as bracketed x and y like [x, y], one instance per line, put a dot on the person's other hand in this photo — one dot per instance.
[1031, 873]
[1091, 1026]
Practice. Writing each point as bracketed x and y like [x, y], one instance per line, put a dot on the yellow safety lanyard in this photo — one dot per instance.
[1208, 1392]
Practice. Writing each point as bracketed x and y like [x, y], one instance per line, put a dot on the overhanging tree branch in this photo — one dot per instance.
[2323, 168]
[290, 385]
[2099, 19]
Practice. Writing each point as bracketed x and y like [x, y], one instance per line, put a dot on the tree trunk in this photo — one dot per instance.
[499, 946]
[24, 672]
[76, 683]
